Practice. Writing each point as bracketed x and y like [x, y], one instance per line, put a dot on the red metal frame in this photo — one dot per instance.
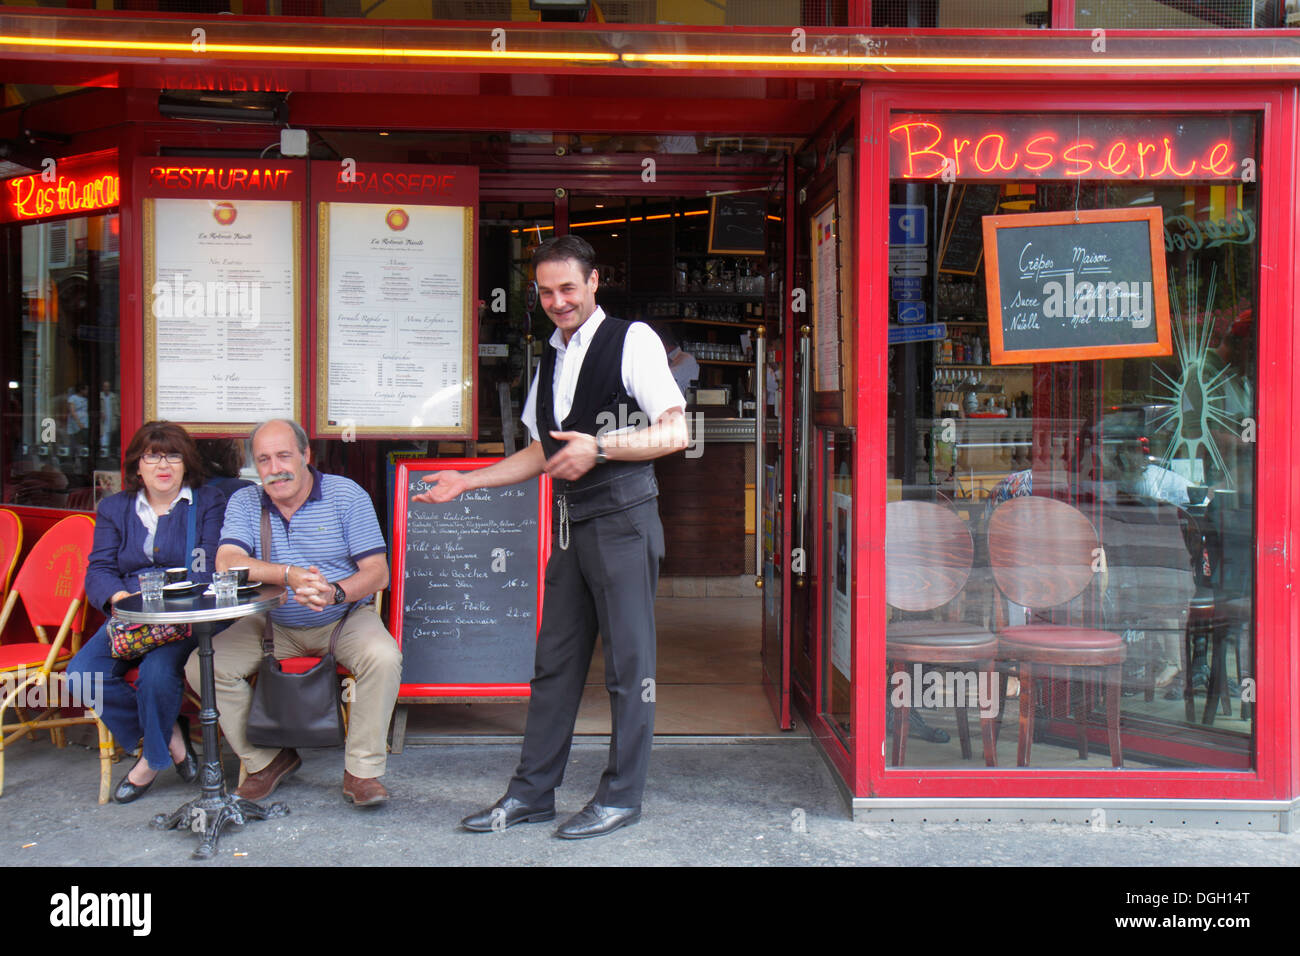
[1278, 492]
[398, 549]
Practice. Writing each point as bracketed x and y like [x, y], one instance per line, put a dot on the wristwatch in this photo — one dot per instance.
[340, 596]
[600, 451]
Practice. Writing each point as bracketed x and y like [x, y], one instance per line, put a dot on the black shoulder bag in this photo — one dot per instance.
[295, 710]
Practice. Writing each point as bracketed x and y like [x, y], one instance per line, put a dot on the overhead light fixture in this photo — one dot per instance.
[561, 11]
[210, 106]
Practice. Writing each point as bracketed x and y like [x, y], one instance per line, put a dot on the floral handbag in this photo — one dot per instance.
[129, 641]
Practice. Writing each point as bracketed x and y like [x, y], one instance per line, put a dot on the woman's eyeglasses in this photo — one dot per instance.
[152, 458]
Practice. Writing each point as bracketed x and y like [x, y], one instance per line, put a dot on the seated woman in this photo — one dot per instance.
[148, 525]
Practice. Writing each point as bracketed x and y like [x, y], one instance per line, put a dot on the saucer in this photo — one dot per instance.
[243, 589]
[180, 587]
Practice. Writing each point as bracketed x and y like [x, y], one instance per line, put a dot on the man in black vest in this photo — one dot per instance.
[596, 372]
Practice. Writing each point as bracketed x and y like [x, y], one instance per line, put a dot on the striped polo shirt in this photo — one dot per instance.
[335, 527]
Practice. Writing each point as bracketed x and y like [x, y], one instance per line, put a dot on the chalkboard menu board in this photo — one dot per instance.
[738, 224]
[1070, 286]
[466, 583]
[962, 246]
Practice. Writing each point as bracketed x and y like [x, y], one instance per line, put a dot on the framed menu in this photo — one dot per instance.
[395, 321]
[221, 311]
[1077, 285]
[826, 312]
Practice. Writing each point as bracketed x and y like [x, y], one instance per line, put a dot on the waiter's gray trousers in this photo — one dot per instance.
[604, 581]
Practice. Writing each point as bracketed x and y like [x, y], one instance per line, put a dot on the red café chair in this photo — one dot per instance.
[1042, 553]
[51, 585]
[11, 543]
[928, 555]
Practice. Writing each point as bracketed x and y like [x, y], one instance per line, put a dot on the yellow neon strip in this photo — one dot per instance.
[158, 46]
[710, 59]
[725, 59]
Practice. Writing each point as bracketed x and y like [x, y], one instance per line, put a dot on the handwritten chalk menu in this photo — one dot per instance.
[961, 248]
[1073, 286]
[738, 224]
[221, 311]
[466, 577]
[394, 334]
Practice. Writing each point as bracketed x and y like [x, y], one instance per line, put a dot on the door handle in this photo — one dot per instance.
[805, 401]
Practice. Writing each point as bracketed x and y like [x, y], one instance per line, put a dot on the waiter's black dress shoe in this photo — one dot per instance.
[596, 819]
[506, 812]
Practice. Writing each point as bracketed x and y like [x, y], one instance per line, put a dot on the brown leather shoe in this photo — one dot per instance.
[363, 791]
[258, 786]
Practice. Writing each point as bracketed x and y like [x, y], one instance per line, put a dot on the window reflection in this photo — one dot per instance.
[1144, 471]
[62, 423]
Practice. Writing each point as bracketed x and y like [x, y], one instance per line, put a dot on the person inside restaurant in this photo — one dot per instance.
[164, 518]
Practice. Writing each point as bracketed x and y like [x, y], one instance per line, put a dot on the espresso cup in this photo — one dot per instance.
[176, 575]
[241, 575]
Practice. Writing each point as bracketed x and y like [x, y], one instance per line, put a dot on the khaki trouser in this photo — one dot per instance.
[364, 647]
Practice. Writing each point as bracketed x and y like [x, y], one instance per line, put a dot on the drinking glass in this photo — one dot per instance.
[151, 584]
[225, 584]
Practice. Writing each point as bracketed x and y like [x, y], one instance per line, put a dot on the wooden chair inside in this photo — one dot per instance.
[51, 588]
[1043, 553]
[928, 554]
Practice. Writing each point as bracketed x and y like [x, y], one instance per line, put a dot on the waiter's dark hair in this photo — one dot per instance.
[563, 248]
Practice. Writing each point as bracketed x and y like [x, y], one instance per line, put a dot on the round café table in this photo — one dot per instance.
[214, 809]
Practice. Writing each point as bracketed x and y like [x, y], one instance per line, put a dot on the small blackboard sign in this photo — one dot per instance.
[738, 224]
[963, 241]
[466, 584]
[1073, 286]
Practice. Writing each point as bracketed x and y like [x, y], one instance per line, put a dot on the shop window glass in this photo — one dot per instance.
[838, 559]
[1149, 462]
[960, 14]
[62, 422]
[1157, 15]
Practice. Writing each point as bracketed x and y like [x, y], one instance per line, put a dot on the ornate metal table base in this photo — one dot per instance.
[202, 816]
[214, 809]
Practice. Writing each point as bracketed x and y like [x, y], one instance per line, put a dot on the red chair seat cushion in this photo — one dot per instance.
[301, 665]
[33, 654]
[1051, 636]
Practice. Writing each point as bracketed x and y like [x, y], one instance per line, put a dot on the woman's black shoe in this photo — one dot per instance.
[127, 791]
[187, 768]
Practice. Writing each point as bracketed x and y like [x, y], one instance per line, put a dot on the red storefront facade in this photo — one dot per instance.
[858, 438]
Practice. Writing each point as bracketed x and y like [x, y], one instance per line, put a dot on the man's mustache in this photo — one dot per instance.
[278, 476]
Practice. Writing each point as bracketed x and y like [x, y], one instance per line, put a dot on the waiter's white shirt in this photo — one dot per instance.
[645, 372]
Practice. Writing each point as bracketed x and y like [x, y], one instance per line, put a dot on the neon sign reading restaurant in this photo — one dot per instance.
[1071, 146]
[63, 188]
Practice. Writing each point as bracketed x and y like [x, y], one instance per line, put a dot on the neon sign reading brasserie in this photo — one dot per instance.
[1067, 146]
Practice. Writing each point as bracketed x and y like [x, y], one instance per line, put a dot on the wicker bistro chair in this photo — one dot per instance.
[1042, 553]
[11, 544]
[928, 554]
[51, 586]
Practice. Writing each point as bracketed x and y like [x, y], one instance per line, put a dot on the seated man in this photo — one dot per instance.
[327, 547]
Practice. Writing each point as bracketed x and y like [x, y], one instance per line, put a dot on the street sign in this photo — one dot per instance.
[909, 268]
[911, 313]
[907, 225]
[903, 287]
[917, 333]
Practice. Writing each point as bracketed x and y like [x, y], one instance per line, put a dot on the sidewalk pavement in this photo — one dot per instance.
[731, 804]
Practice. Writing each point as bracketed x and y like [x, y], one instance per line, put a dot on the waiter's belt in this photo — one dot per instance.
[582, 500]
